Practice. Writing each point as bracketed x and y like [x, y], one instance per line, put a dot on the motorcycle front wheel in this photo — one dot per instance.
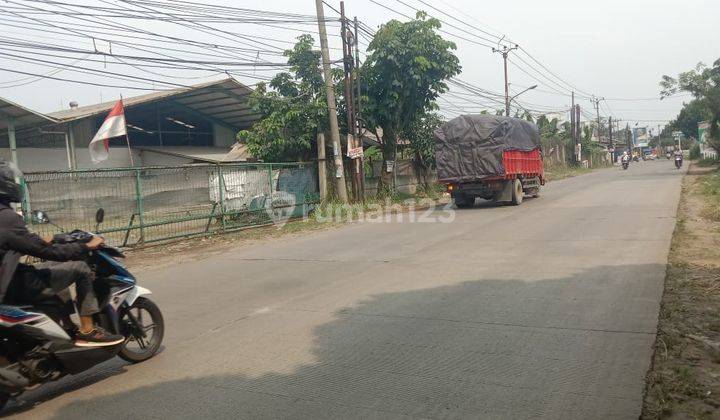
[143, 327]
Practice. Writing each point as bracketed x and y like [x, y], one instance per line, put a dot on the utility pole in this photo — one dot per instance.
[505, 51]
[578, 132]
[597, 110]
[610, 131]
[573, 130]
[332, 107]
[322, 167]
[628, 139]
[348, 63]
[358, 111]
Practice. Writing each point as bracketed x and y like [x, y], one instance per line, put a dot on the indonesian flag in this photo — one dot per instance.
[113, 126]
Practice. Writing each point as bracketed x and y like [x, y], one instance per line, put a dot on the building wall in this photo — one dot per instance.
[223, 136]
[46, 159]
[35, 154]
[84, 131]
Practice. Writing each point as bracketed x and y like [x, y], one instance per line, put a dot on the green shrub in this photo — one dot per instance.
[695, 152]
[707, 162]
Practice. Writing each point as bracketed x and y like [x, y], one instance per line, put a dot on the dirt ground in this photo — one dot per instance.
[166, 254]
[684, 380]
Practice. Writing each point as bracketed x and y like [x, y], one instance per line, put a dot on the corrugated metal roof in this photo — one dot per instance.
[224, 101]
[237, 153]
[22, 116]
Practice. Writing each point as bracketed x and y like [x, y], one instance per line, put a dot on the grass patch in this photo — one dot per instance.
[395, 202]
[706, 162]
[710, 188]
[554, 173]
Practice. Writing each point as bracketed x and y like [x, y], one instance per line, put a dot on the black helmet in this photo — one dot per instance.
[10, 190]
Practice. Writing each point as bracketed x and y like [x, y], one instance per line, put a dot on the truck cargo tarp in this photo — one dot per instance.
[470, 147]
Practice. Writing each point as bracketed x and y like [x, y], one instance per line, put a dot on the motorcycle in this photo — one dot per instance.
[36, 341]
[625, 161]
[678, 161]
[668, 155]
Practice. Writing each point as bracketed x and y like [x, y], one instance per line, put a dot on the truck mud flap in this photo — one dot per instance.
[531, 184]
[505, 194]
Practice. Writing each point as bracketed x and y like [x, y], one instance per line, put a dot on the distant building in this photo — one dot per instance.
[172, 127]
[703, 133]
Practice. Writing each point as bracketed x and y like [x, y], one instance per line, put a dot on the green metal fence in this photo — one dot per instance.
[145, 205]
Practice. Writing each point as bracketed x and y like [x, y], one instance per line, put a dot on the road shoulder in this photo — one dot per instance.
[684, 378]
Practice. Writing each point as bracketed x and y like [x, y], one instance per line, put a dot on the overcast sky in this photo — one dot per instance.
[613, 49]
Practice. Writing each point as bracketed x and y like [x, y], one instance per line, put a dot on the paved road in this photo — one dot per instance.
[546, 310]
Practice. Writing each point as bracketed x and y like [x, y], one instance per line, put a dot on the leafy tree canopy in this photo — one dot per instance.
[405, 72]
[687, 121]
[703, 83]
[293, 110]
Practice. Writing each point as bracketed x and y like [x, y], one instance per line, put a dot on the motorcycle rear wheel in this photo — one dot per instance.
[147, 346]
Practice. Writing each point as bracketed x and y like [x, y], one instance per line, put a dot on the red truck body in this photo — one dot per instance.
[524, 164]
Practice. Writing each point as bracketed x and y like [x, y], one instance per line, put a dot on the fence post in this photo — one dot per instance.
[140, 209]
[270, 179]
[221, 195]
[25, 205]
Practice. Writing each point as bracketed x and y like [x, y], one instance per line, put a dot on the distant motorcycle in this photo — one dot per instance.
[625, 162]
[668, 155]
[678, 161]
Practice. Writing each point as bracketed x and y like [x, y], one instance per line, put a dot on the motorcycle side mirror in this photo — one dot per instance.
[99, 215]
[40, 217]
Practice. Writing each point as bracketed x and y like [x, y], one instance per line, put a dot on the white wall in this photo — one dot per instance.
[38, 160]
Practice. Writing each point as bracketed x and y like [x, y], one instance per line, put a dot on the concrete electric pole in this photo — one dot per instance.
[573, 131]
[339, 176]
[505, 51]
[599, 123]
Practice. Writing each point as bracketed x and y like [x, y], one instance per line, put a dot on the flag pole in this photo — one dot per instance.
[127, 137]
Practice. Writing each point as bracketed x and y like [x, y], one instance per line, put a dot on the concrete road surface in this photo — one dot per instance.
[547, 310]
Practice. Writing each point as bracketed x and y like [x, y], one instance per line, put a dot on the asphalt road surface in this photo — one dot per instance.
[547, 310]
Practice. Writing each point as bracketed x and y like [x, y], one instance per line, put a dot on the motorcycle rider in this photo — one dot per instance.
[678, 156]
[31, 283]
[625, 157]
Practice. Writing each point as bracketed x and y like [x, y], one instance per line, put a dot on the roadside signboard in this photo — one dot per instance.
[355, 153]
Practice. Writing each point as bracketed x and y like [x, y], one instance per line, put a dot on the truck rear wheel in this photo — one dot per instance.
[462, 201]
[517, 193]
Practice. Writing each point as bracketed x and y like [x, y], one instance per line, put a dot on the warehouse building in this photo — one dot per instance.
[171, 127]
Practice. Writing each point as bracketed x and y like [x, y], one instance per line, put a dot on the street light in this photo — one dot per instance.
[530, 88]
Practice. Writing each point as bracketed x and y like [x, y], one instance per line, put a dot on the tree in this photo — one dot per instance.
[703, 83]
[293, 112]
[687, 120]
[405, 72]
[421, 135]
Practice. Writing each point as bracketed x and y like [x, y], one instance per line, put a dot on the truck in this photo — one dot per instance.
[491, 157]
